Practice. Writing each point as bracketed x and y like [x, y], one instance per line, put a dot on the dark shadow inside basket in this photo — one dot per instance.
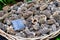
[3, 38]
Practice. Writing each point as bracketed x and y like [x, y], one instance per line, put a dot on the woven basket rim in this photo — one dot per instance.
[52, 35]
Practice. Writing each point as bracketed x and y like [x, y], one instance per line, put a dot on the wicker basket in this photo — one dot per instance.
[12, 37]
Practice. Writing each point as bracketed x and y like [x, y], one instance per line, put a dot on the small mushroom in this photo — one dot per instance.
[15, 8]
[55, 14]
[37, 33]
[43, 7]
[42, 19]
[44, 25]
[21, 34]
[34, 20]
[2, 26]
[6, 8]
[57, 24]
[44, 30]
[1, 13]
[27, 31]
[7, 21]
[47, 13]
[32, 34]
[51, 21]
[36, 17]
[27, 14]
[10, 30]
[30, 5]
[36, 26]
[53, 27]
